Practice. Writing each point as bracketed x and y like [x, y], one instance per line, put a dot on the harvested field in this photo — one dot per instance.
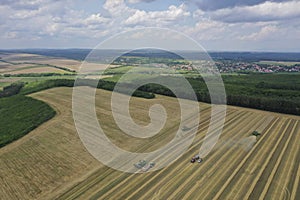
[32, 59]
[97, 77]
[51, 162]
[17, 56]
[4, 65]
[12, 61]
[37, 69]
[6, 68]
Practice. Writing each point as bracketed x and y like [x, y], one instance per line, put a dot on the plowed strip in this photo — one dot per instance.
[238, 168]
[232, 157]
[179, 166]
[244, 180]
[117, 191]
[265, 180]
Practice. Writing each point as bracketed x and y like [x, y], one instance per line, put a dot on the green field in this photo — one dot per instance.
[282, 63]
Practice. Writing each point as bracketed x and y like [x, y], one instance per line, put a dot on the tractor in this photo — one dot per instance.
[140, 164]
[196, 158]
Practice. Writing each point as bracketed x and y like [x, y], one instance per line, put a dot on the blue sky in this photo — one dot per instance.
[235, 25]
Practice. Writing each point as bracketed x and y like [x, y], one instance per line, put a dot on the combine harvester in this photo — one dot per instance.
[196, 157]
[142, 165]
[149, 166]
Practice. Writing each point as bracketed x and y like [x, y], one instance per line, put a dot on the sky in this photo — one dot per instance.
[218, 25]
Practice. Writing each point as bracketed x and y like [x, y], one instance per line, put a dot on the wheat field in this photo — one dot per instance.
[51, 162]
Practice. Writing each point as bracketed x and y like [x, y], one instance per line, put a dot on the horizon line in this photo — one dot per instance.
[185, 50]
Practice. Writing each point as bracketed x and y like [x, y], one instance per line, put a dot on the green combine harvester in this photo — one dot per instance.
[256, 133]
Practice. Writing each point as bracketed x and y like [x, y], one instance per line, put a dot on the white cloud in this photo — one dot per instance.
[207, 30]
[96, 19]
[51, 19]
[267, 11]
[51, 29]
[29, 4]
[118, 8]
[198, 14]
[24, 14]
[211, 5]
[173, 13]
[264, 33]
[11, 35]
[139, 1]
[247, 23]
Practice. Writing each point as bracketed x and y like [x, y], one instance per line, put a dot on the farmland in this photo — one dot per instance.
[19, 61]
[279, 63]
[276, 92]
[50, 162]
